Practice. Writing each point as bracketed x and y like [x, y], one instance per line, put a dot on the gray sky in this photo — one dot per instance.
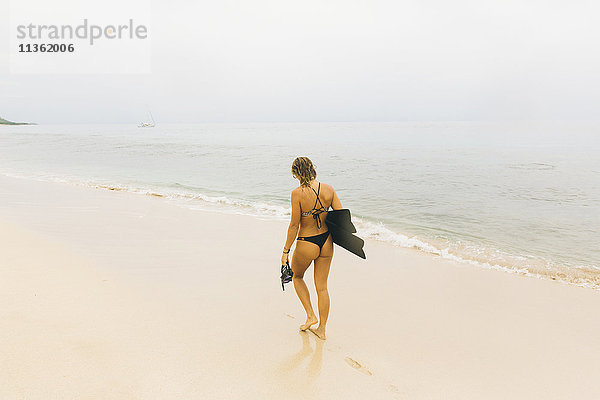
[336, 61]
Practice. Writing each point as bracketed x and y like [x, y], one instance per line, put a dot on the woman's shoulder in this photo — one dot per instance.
[297, 191]
[324, 186]
[327, 187]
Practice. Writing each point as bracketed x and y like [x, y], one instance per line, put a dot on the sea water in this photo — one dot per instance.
[523, 197]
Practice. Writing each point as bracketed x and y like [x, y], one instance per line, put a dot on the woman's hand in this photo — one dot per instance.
[284, 258]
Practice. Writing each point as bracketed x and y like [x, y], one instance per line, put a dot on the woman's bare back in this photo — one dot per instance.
[308, 202]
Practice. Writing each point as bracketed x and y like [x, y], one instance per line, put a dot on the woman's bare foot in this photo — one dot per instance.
[310, 321]
[320, 332]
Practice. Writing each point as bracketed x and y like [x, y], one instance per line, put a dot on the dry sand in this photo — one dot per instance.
[114, 295]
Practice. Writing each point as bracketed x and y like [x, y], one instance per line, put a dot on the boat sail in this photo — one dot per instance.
[148, 124]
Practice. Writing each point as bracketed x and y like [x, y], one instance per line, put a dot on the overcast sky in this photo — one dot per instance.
[425, 60]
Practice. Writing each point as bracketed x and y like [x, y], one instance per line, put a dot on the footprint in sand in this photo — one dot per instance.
[394, 389]
[333, 348]
[357, 366]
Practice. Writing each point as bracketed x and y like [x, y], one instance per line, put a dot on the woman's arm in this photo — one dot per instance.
[292, 232]
[336, 204]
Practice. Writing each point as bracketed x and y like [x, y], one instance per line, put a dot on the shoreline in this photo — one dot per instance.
[579, 276]
[131, 296]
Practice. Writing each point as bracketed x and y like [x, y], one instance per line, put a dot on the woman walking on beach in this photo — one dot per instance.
[310, 202]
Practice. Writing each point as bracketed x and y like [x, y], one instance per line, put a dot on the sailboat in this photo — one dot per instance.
[148, 124]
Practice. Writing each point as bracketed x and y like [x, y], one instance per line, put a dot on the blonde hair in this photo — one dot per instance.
[303, 170]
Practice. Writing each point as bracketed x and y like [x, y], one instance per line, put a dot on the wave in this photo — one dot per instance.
[532, 166]
[490, 258]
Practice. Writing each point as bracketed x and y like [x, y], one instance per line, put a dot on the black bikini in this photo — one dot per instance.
[320, 239]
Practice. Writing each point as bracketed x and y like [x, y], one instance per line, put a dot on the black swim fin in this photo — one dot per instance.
[341, 227]
[342, 219]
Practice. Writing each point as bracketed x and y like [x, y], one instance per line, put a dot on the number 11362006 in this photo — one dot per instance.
[46, 48]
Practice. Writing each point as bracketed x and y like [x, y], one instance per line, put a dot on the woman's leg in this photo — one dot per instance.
[301, 259]
[322, 266]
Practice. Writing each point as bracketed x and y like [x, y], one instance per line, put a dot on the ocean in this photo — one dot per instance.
[523, 197]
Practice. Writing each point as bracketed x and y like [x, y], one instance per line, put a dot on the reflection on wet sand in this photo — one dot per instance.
[295, 366]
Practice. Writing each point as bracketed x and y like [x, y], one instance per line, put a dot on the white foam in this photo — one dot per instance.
[378, 231]
[528, 267]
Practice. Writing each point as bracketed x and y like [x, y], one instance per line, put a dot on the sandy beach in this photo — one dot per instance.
[117, 295]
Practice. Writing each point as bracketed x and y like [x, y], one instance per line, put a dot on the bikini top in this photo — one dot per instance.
[316, 211]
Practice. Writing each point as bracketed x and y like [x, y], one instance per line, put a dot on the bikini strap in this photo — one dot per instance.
[320, 210]
[316, 192]
[318, 200]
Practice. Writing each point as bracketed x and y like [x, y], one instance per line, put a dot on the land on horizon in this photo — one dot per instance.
[6, 122]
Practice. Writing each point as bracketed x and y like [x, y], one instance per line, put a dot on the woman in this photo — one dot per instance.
[310, 202]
